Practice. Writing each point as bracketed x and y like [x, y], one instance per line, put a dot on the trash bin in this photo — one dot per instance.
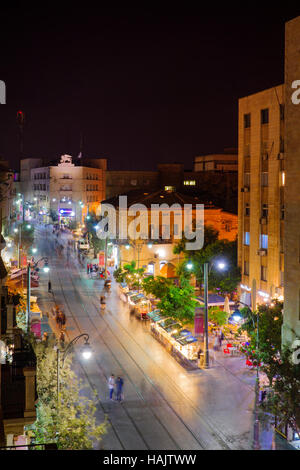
[201, 361]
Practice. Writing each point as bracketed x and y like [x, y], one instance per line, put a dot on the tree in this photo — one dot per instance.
[53, 215]
[217, 316]
[97, 243]
[270, 321]
[68, 419]
[179, 302]
[223, 282]
[129, 274]
[283, 399]
[157, 286]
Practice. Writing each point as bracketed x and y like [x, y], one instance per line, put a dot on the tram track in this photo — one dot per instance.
[205, 421]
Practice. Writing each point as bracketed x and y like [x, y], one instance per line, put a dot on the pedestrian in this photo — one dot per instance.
[119, 383]
[49, 286]
[111, 386]
[88, 268]
[216, 345]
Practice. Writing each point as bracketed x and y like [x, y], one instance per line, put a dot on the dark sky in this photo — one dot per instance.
[143, 85]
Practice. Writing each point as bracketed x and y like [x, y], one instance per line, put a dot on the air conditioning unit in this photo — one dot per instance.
[263, 220]
[280, 156]
[262, 252]
[245, 189]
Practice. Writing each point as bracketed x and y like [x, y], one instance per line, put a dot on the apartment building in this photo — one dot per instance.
[224, 162]
[261, 204]
[291, 318]
[67, 189]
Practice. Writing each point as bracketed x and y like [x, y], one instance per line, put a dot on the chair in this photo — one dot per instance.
[226, 351]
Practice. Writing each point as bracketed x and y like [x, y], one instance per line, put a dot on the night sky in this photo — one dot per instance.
[143, 86]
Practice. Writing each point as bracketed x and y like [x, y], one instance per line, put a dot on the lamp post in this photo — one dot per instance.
[256, 445]
[46, 269]
[86, 352]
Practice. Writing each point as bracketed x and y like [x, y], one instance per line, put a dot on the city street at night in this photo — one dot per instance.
[165, 406]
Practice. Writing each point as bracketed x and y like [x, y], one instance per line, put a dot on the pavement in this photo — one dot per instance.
[165, 406]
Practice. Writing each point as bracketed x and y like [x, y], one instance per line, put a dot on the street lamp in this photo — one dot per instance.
[86, 353]
[206, 270]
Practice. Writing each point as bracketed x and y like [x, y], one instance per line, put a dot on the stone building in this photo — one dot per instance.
[154, 253]
[260, 195]
[291, 325]
[70, 190]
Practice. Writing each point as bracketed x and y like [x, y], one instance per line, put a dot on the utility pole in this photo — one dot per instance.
[206, 345]
[105, 259]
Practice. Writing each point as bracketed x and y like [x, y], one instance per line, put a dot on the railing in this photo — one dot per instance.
[50, 446]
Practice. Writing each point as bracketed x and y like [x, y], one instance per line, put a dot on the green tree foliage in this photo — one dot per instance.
[223, 282]
[217, 316]
[27, 235]
[129, 274]
[157, 286]
[97, 243]
[53, 215]
[68, 419]
[270, 321]
[283, 399]
[179, 302]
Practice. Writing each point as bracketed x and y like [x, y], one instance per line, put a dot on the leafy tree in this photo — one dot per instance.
[179, 302]
[97, 243]
[157, 286]
[217, 316]
[53, 215]
[283, 399]
[270, 321]
[129, 274]
[68, 419]
[223, 282]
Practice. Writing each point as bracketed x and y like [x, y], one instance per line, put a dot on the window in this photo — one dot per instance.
[247, 120]
[151, 268]
[247, 210]
[264, 211]
[246, 268]
[133, 182]
[189, 183]
[282, 178]
[264, 179]
[247, 180]
[282, 212]
[247, 238]
[265, 116]
[263, 273]
[281, 112]
[264, 241]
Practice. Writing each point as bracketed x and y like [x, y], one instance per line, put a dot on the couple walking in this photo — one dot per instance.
[116, 386]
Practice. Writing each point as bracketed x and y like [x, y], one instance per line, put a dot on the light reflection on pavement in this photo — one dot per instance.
[165, 407]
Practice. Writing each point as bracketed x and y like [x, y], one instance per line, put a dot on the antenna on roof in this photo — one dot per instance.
[80, 147]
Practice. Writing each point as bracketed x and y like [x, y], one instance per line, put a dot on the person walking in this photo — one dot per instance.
[111, 386]
[119, 383]
[88, 268]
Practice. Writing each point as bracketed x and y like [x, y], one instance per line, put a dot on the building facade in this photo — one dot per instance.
[224, 162]
[67, 189]
[291, 325]
[261, 205]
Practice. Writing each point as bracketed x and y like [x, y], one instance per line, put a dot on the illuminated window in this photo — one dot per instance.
[247, 238]
[282, 178]
[170, 188]
[189, 183]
